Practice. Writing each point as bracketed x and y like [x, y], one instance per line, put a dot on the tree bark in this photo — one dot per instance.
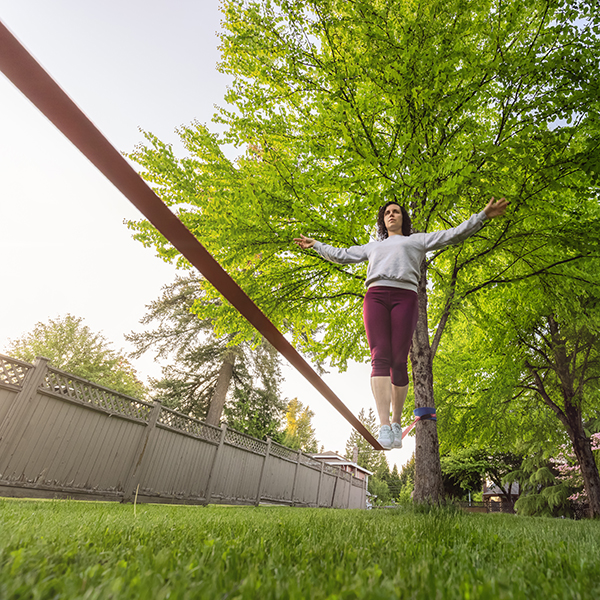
[428, 471]
[591, 479]
[582, 447]
[217, 402]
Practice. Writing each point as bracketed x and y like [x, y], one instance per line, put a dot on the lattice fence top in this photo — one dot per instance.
[12, 372]
[345, 475]
[235, 438]
[69, 386]
[331, 470]
[283, 452]
[309, 461]
[181, 422]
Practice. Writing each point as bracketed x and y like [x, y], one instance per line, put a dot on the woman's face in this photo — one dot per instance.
[392, 219]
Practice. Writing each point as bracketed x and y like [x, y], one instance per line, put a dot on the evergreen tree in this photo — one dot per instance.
[207, 374]
[394, 483]
[407, 479]
[374, 461]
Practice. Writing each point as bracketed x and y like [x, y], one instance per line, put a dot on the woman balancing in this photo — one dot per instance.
[390, 307]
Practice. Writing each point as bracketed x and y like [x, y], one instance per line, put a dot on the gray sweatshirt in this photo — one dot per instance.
[396, 261]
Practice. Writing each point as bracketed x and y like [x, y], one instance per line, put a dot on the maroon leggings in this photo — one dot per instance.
[390, 316]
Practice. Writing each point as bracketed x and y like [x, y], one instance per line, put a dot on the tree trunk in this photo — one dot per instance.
[428, 471]
[589, 471]
[217, 402]
[583, 452]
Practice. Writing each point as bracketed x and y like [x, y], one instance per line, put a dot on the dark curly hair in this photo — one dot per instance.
[382, 232]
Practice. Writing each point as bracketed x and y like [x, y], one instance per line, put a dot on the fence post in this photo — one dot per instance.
[350, 484]
[262, 473]
[18, 414]
[146, 443]
[319, 485]
[296, 475]
[337, 478]
[209, 484]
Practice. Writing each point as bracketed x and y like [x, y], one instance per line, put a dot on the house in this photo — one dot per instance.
[495, 499]
[335, 460]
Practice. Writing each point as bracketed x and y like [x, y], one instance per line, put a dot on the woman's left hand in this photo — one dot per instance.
[496, 208]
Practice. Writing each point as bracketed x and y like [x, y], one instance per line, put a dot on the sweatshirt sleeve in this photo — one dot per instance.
[439, 239]
[342, 256]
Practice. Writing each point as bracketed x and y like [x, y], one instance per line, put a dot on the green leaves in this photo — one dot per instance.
[336, 107]
[71, 346]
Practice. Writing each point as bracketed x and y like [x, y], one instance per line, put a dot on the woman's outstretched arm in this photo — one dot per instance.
[341, 256]
[446, 237]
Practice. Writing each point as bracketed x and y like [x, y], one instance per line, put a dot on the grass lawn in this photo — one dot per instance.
[64, 550]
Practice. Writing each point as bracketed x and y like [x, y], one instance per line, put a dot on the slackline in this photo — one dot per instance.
[37, 85]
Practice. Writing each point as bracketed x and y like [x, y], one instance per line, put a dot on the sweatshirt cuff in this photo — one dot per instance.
[482, 216]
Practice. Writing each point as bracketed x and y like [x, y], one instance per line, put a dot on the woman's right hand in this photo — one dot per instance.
[304, 242]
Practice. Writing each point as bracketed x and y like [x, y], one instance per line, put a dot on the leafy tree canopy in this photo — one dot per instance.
[465, 470]
[299, 432]
[337, 106]
[73, 347]
[528, 365]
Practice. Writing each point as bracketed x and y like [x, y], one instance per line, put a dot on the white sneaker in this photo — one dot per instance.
[397, 431]
[386, 437]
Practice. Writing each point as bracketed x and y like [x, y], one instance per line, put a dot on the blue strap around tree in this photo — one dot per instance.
[425, 413]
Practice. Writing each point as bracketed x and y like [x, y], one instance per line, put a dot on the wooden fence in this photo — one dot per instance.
[62, 436]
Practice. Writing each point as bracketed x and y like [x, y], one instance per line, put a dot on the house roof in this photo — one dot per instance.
[333, 458]
[492, 489]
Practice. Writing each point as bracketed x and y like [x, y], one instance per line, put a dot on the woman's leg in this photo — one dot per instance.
[403, 315]
[377, 319]
[398, 397]
[403, 321]
[382, 392]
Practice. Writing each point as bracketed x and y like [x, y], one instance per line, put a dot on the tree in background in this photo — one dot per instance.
[393, 482]
[206, 375]
[407, 479]
[71, 346]
[570, 471]
[538, 364]
[465, 470]
[370, 459]
[299, 432]
[338, 106]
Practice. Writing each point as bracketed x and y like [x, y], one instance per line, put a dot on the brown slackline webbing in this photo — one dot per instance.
[33, 81]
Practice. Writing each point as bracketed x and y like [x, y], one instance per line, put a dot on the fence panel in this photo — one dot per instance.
[177, 467]
[13, 372]
[307, 484]
[63, 435]
[7, 396]
[278, 479]
[236, 480]
[328, 486]
[70, 445]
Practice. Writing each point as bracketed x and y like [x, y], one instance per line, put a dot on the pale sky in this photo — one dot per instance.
[129, 65]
